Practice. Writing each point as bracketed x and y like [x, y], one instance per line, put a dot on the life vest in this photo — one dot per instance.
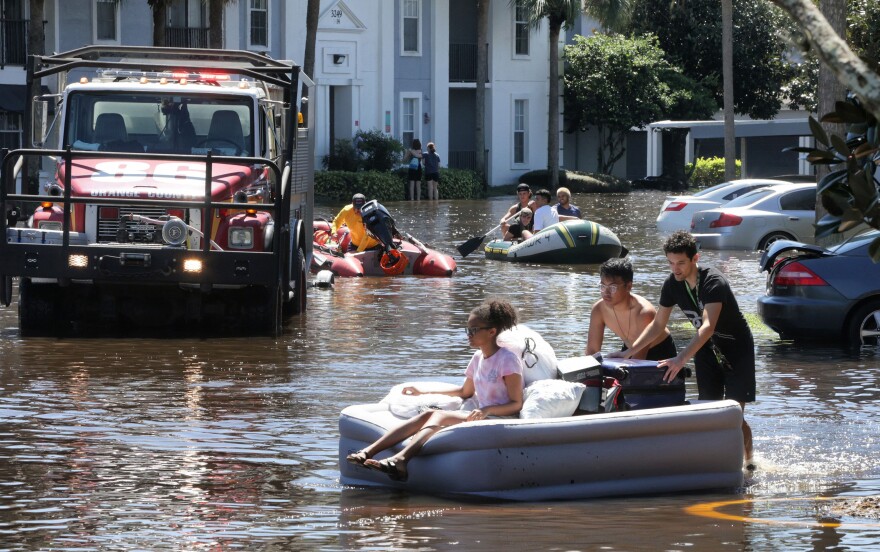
[393, 262]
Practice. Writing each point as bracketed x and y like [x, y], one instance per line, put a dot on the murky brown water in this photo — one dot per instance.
[231, 444]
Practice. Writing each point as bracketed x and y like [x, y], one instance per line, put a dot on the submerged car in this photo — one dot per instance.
[759, 218]
[677, 211]
[823, 294]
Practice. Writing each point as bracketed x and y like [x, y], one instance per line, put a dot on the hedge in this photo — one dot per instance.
[339, 186]
[709, 171]
[577, 182]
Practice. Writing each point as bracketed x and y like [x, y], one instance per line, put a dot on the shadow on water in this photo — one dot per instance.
[231, 442]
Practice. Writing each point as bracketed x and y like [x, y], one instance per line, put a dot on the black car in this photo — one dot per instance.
[823, 294]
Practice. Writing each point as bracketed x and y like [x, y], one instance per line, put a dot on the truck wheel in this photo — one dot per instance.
[37, 315]
[864, 325]
[297, 305]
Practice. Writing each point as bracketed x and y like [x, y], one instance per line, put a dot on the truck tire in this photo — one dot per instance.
[297, 304]
[37, 315]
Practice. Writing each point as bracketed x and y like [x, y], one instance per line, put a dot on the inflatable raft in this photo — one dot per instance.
[696, 447]
[566, 242]
[399, 254]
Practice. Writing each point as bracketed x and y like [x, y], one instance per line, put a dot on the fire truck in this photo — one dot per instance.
[175, 190]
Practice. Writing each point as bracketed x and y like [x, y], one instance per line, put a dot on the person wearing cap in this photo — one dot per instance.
[524, 199]
[350, 216]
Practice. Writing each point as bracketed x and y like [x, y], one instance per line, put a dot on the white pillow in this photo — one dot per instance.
[551, 398]
[407, 406]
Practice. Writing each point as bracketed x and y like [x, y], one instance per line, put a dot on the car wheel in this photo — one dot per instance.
[767, 240]
[864, 325]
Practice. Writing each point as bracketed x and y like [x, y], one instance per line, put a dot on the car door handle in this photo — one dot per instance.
[794, 218]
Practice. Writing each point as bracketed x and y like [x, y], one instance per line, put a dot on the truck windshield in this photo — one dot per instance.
[134, 122]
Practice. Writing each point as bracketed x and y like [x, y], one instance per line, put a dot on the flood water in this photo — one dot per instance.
[224, 444]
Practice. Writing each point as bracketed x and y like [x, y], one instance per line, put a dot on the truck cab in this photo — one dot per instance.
[170, 196]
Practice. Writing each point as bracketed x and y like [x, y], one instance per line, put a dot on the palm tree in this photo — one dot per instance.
[482, 75]
[158, 7]
[562, 14]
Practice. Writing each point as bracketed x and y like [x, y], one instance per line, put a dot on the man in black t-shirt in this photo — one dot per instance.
[723, 349]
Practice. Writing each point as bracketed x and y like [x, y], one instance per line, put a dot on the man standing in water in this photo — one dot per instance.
[723, 349]
[624, 313]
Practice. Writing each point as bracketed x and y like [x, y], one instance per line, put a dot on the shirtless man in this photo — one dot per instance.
[624, 313]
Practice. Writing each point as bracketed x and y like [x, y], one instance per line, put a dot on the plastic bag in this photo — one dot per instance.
[407, 406]
[539, 360]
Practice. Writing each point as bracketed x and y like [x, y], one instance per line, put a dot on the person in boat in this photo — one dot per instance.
[545, 215]
[723, 348]
[523, 200]
[624, 313]
[564, 206]
[519, 231]
[494, 378]
[350, 216]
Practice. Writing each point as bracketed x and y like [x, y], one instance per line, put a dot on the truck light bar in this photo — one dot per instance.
[144, 76]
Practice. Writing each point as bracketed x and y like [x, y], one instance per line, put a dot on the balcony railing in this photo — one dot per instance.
[13, 42]
[462, 63]
[463, 160]
[186, 37]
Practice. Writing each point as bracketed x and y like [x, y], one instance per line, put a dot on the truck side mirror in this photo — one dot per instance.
[39, 123]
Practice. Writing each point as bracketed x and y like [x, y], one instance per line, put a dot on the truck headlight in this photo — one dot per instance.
[241, 237]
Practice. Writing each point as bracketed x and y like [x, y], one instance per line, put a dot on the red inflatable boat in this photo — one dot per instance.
[407, 255]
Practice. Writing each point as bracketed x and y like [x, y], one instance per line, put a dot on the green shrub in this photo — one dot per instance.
[577, 182]
[380, 152]
[709, 171]
[339, 186]
[371, 150]
[344, 157]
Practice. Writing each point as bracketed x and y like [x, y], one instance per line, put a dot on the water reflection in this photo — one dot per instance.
[231, 443]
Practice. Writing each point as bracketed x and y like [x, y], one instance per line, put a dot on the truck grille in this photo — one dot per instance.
[135, 231]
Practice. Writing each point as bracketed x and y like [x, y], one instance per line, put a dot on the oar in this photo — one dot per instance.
[472, 244]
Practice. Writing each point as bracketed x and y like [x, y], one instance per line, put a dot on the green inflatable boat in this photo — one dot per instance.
[567, 242]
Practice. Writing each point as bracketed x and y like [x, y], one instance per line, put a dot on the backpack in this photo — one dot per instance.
[603, 394]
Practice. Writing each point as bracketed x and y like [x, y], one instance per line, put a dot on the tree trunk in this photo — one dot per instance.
[215, 17]
[727, 77]
[36, 46]
[313, 11]
[482, 76]
[158, 8]
[553, 109]
[830, 91]
[674, 142]
[834, 52]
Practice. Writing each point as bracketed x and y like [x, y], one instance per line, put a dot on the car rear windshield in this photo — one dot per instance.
[749, 198]
[709, 190]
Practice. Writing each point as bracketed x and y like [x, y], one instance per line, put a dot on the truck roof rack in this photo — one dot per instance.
[154, 58]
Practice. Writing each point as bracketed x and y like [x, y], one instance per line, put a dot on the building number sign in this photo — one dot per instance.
[336, 14]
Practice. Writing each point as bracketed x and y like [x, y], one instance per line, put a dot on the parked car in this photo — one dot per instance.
[677, 211]
[825, 294]
[759, 218]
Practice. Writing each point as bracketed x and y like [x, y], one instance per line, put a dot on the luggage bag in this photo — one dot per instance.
[643, 386]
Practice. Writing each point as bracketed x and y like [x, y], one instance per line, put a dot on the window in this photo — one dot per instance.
[801, 200]
[106, 20]
[409, 110]
[259, 23]
[410, 26]
[520, 121]
[520, 30]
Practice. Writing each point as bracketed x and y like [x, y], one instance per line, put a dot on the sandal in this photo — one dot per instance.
[357, 458]
[395, 469]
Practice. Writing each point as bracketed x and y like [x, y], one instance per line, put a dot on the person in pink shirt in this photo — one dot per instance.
[494, 378]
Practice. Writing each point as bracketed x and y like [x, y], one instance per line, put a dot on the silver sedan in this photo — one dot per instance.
[759, 218]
